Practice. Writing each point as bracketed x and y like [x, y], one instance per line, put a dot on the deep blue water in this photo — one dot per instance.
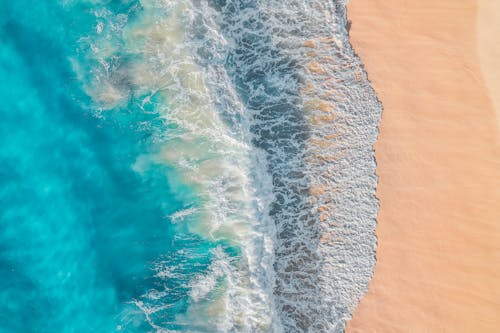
[80, 230]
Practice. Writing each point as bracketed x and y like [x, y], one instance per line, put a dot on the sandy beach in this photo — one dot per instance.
[435, 66]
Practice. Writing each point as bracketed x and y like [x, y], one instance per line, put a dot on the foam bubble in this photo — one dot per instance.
[272, 122]
[212, 156]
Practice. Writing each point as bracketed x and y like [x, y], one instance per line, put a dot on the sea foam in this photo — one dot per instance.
[271, 120]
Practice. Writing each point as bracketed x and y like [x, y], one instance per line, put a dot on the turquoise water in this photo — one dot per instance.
[81, 231]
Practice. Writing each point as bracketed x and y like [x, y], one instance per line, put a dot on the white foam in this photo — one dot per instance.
[274, 126]
[212, 156]
[180, 215]
[316, 116]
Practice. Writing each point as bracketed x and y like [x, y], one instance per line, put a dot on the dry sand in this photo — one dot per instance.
[434, 68]
[488, 35]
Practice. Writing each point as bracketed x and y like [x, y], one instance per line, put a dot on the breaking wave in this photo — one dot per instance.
[270, 120]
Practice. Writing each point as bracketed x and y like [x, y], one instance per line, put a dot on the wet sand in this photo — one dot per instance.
[432, 64]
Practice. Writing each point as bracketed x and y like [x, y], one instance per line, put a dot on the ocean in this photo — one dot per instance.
[183, 166]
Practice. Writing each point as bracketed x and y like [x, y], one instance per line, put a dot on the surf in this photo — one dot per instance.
[255, 123]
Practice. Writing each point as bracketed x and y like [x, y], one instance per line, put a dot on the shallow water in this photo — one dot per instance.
[191, 166]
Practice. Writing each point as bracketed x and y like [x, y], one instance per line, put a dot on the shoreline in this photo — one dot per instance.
[437, 160]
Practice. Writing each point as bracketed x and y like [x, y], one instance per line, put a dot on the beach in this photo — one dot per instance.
[435, 68]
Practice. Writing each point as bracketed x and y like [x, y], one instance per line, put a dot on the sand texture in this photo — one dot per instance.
[432, 64]
[488, 35]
